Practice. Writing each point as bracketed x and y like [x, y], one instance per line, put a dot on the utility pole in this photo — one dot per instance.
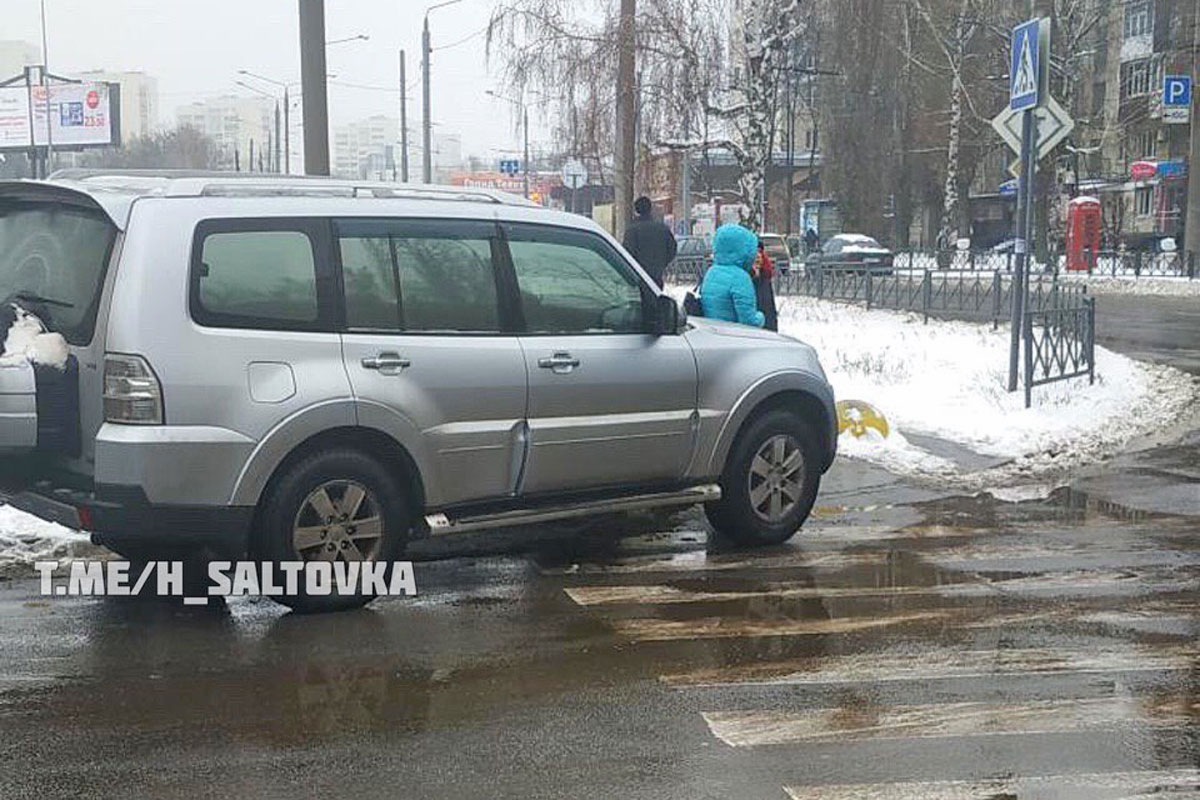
[626, 117]
[525, 124]
[403, 121]
[313, 88]
[278, 163]
[426, 124]
[287, 133]
[789, 127]
[46, 90]
[1191, 228]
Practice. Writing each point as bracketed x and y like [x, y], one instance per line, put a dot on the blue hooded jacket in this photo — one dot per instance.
[728, 291]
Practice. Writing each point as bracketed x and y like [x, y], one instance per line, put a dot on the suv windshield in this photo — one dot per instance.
[55, 255]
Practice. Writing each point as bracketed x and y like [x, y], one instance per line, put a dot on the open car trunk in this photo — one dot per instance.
[55, 248]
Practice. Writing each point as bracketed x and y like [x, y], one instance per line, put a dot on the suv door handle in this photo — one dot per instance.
[386, 361]
[561, 363]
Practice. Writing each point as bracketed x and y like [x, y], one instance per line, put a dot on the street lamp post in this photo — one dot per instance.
[287, 138]
[426, 123]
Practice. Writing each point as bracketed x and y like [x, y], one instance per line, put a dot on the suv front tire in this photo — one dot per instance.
[770, 481]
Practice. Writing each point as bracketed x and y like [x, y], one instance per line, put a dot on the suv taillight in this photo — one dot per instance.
[132, 395]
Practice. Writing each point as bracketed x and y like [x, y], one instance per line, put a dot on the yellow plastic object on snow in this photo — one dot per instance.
[858, 416]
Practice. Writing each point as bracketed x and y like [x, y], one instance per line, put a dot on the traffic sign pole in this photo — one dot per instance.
[1021, 244]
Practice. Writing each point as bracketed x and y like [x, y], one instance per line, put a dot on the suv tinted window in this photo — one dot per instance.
[419, 276]
[255, 278]
[573, 282]
[58, 252]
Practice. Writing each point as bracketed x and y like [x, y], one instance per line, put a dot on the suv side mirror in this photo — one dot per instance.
[666, 318]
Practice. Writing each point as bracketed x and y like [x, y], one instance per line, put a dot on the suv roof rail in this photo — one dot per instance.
[204, 183]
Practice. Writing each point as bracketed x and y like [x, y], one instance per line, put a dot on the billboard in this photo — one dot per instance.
[80, 115]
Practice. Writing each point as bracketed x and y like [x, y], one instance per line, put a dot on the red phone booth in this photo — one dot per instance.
[1084, 233]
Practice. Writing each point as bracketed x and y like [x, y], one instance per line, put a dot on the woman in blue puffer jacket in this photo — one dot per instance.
[728, 291]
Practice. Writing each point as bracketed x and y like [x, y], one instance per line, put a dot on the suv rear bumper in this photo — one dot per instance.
[122, 516]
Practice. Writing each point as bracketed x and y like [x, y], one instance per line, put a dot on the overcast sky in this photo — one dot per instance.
[196, 47]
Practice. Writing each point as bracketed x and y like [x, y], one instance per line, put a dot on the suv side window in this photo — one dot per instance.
[572, 282]
[257, 274]
[419, 276]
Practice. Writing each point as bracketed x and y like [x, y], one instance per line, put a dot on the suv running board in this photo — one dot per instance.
[440, 524]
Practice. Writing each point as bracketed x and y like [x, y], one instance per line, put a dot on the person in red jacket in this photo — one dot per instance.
[764, 288]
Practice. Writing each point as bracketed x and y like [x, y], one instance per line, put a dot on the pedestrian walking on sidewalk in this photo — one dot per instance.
[728, 290]
[650, 241]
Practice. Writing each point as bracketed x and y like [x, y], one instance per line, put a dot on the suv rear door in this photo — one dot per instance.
[609, 403]
[55, 249]
[426, 336]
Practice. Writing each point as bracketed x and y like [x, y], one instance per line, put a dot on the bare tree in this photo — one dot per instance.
[700, 87]
[181, 148]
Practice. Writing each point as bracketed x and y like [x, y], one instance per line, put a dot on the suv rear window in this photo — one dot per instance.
[58, 253]
[258, 274]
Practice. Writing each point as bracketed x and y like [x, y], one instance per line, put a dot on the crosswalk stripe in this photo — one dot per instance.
[1172, 618]
[663, 630]
[1058, 584]
[1094, 786]
[664, 595]
[940, 664]
[974, 556]
[865, 722]
[703, 561]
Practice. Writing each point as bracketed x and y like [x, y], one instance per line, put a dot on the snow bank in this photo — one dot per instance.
[947, 379]
[27, 340]
[25, 539]
[1160, 287]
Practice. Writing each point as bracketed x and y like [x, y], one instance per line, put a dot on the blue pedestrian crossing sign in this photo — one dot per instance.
[1030, 51]
[510, 166]
[1177, 98]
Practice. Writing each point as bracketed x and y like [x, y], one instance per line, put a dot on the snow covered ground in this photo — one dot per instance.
[947, 380]
[1171, 287]
[25, 539]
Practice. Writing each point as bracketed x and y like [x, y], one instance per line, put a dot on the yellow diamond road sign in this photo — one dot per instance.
[1053, 125]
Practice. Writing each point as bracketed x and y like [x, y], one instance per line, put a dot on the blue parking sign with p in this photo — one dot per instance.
[1177, 90]
[1177, 99]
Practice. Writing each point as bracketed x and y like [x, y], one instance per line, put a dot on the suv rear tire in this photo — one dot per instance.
[770, 481]
[338, 505]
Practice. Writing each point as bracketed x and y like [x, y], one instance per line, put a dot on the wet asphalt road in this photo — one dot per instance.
[907, 644]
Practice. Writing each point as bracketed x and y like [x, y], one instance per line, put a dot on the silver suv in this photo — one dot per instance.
[320, 369]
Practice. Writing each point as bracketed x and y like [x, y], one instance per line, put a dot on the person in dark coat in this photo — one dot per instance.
[812, 242]
[649, 241]
[764, 288]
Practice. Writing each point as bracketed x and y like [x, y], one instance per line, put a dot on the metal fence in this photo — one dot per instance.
[1060, 343]
[1111, 264]
[1104, 264]
[1059, 324]
[973, 296]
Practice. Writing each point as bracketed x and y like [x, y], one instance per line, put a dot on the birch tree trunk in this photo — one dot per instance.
[948, 233]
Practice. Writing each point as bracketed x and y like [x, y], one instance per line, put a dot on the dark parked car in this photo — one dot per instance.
[853, 252]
